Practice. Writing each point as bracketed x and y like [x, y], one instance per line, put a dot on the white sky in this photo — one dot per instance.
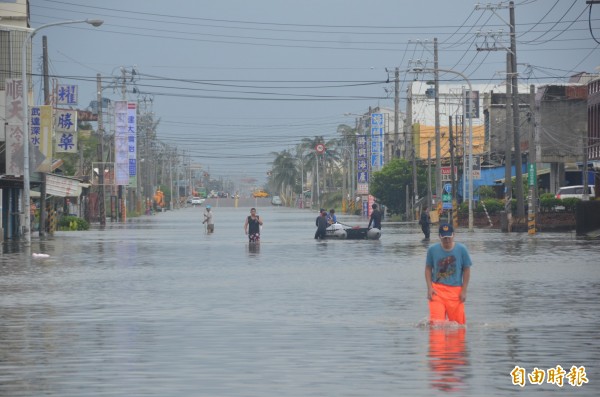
[234, 80]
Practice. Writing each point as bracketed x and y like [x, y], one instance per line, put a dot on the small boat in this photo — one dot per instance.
[345, 232]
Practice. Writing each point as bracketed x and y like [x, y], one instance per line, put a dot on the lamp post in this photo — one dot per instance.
[26, 179]
[470, 168]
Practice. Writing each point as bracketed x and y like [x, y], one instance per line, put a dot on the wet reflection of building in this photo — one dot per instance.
[447, 358]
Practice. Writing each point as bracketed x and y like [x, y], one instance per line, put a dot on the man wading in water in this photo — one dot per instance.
[252, 226]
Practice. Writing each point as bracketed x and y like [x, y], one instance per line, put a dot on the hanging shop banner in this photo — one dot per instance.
[377, 141]
[121, 144]
[40, 122]
[66, 95]
[66, 131]
[131, 142]
[362, 162]
[14, 126]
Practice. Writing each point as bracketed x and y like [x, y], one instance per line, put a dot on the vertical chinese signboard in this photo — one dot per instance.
[14, 127]
[41, 137]
[121, 145]
[66, 131]
[377, 141]
[362, 174]
[131, 142]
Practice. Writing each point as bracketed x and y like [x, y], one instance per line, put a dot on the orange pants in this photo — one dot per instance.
[445, 304]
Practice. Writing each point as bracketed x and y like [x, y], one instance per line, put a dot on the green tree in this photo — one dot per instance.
[285, 175]
[312, 159]
[389, 185]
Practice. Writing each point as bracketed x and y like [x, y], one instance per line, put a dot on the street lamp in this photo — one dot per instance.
[26, 194]
[470, 168]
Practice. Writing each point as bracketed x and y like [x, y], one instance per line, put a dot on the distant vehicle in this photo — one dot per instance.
[201, 192]
[197, 201]
[574, 192]
[276, 200]
[260, 193]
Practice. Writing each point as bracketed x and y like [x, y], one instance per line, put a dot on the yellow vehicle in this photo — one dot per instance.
[260, 193]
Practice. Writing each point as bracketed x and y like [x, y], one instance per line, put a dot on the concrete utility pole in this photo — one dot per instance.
[516, 114]
[397, 115]
[102, 166]
[508, 147]
[408, 122]
[42, 227]
[429, 173]
[415, 190]
[438, 144]
[533, 191]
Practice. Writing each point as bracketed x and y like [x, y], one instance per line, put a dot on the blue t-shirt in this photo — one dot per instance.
[448, 265]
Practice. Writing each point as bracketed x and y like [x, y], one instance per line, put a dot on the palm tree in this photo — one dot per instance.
[284, 173]
[328, 162]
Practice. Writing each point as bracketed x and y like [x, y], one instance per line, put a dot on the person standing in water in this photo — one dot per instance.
[252, 226]
[425, 221]
[321, 223]
[447, 275]
[208, 220]
[375, 218]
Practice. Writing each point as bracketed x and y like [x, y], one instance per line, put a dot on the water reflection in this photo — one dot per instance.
[447, 358]
[254, 248]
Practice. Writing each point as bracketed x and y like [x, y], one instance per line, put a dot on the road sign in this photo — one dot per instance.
[320, 148]
[446, 173]
[448, 187]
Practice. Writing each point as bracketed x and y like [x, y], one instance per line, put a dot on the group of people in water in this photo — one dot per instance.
[447, 265]
[251, 226]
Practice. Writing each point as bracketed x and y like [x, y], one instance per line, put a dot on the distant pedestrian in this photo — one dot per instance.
[375, 218]
[331, 218]
[321, 224]
[252, 226]
[208, 220]
[425, 222]
[447, 275]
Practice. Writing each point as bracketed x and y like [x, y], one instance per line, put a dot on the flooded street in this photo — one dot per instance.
[157, 307]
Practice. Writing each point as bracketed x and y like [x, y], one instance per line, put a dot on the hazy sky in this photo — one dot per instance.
[234, 80]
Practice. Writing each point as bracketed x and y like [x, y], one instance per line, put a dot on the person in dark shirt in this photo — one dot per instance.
[375, 218]
[425, 221]
[252, 226]
[321, 224]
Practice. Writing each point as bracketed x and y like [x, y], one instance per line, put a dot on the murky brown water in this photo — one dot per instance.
[157, 307]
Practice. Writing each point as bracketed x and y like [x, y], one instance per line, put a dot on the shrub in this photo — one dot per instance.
[548, 202]
[570, 203]
[72, 223]
[493, 206]
[486, 192]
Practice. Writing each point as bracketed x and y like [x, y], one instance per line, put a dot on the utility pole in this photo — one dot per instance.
[453, 174]
[516, 114]
[397, 115]
[408, 123]
[438, 144]
[415, 190]
[512, 85]
[508, 148]
[428, 173]
[42, 226]
[408, 136]
[102, 166]
[532, 169]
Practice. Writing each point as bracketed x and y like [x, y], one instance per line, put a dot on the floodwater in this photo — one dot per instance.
[157, 307]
